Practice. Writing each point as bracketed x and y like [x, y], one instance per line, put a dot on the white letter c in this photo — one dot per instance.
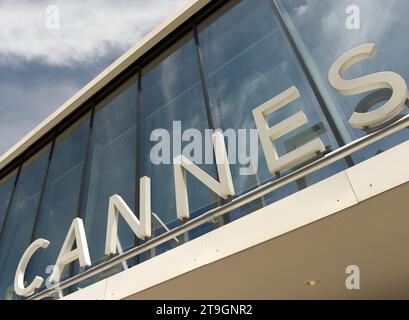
[19, 287]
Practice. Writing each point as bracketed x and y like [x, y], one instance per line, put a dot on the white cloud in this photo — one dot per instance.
[88, 29]
[301, 10]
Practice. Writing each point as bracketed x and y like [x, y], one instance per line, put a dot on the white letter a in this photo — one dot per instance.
[76, 234]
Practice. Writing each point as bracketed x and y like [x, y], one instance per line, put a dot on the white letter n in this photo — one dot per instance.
[142, 228]
[223, 189]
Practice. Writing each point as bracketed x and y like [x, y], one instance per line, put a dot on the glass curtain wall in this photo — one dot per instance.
[18, 226]
[320, 31]
[59, 202]
[6, 189]
[172, 101]
[247, 61]
[111, 168]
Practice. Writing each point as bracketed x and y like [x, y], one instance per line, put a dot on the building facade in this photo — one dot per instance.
[209, 67]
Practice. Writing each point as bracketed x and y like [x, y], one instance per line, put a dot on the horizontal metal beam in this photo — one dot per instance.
[238, 202]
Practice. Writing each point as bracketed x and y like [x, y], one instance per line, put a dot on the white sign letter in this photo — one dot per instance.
[19, 287]
[117, 205]
[268, 135]
[76, 234]
[223, 189]
[363, 84]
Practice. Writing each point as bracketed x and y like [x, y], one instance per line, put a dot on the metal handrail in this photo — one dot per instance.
[244, 199]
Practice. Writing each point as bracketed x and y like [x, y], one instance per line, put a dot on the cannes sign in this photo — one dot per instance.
[224, 187]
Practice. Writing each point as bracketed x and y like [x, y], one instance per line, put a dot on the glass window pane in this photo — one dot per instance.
[319, 30]
[6, 188]
[60, 197]
[18, 226]
[247, 61]
[112, 166]
[172, 100]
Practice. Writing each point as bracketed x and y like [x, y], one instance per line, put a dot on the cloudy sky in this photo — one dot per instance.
[49, 49]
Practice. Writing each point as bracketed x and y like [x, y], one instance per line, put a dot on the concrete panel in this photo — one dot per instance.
[95, 291]
[380, 173]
